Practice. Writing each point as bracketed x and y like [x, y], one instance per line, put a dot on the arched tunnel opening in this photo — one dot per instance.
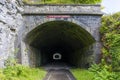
[69, 40]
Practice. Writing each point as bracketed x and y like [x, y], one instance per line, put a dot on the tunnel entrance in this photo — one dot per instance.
[60, 41]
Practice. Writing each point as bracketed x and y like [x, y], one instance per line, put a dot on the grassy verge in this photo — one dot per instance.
[20, 72]
[48, 2]
[82, 74]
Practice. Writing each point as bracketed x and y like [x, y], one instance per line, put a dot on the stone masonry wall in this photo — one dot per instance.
[86, 16]
[10, 24]
[16, 22]
[62, 9]
[90, 23]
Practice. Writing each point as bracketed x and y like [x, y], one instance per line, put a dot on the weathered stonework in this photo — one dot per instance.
[86, 16]
[10, 23]
[16, 21]
[62, 9]
[88, 22]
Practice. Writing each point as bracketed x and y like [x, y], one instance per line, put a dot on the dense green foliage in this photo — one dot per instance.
[62, 1]
[15, 71]
[110, 31]
[82, 74]
[109, 67]
[19, 72]
[103, 72]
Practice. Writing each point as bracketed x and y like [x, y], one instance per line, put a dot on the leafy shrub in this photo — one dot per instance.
[110, 37]
[19, 72]
[15, 71]
[103, 73]
[110, 32]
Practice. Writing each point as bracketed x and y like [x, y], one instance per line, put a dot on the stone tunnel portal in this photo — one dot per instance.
[67, 39]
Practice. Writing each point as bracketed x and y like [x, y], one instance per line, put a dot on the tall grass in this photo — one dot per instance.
[19, 72]
[82, 74]
[48, 2]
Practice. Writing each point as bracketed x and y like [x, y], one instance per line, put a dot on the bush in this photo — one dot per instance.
[110, 37]
[19, 72]
[15, 71]
[110, 32]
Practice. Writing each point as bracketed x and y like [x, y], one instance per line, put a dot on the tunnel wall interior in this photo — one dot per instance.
[70, 40]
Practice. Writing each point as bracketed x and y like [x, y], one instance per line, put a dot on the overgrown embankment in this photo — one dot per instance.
[110, 32]
[19, 72]
[15, 71]
[109, 68]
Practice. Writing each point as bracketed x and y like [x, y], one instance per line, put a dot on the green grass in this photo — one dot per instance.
[62, 1]
[82, 74]
[49, 2]
[20, 72]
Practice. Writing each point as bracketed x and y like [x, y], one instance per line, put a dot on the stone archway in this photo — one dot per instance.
[67, 38]
[26, 18]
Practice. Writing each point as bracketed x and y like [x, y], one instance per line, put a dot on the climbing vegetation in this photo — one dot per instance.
[109, 68]
[62, 1]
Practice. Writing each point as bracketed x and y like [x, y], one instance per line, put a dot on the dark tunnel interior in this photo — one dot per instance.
[65, 38]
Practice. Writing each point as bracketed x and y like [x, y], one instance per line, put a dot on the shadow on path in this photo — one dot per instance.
[58, 72]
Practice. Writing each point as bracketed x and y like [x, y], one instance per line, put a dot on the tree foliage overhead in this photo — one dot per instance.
[62, 1]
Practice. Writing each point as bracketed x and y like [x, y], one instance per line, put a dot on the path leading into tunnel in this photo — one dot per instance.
[58, 72]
